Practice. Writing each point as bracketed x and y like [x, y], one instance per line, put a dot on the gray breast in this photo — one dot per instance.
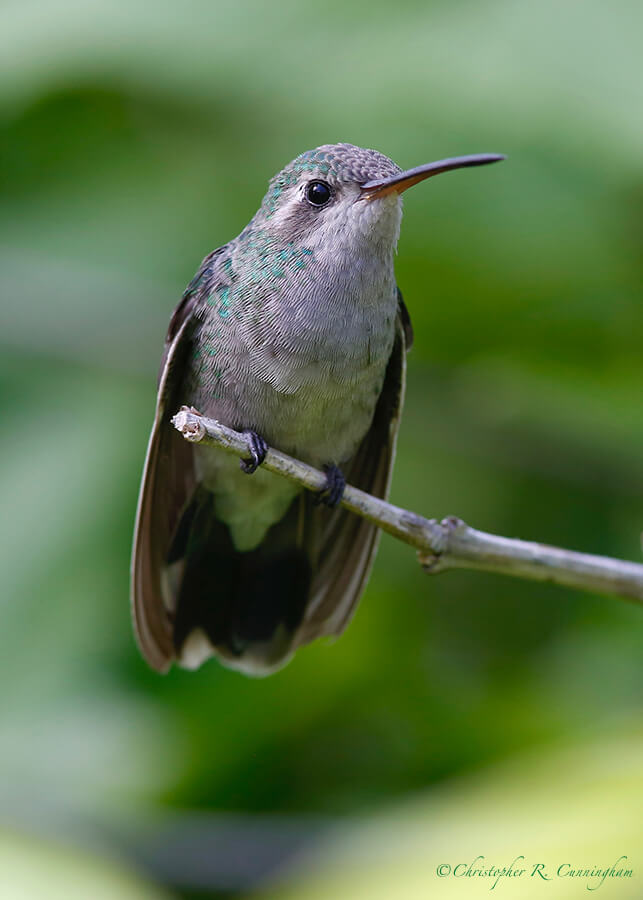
[298, 352]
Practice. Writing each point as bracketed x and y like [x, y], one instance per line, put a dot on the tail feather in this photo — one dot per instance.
[260, 594]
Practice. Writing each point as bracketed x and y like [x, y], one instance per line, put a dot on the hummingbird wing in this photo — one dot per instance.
[167, 486]
[343, 544]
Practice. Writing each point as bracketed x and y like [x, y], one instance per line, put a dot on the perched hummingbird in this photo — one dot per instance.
[295, 333]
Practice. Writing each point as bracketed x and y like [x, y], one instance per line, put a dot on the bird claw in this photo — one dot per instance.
[258, 449]
[334, 490]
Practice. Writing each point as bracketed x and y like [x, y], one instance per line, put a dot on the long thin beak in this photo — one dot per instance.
[403, 180]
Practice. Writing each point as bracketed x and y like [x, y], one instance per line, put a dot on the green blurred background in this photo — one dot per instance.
[136, 137]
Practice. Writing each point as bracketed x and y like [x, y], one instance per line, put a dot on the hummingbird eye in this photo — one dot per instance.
[318, 193]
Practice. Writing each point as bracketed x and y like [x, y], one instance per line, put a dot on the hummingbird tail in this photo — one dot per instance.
[243, 607]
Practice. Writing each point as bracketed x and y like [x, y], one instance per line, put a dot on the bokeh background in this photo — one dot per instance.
[458, 716]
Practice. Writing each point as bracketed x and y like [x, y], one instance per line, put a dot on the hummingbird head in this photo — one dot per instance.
[339, 195]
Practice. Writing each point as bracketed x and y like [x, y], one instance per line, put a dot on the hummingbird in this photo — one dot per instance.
[294, 333]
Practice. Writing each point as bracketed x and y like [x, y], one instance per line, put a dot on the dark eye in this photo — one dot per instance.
[318, 193]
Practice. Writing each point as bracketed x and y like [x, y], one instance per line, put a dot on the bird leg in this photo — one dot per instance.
[258, 450]
[335, 484]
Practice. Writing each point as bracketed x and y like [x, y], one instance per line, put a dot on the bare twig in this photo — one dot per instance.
[449, 544]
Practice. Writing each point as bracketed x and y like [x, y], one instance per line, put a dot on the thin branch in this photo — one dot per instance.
[449, 544]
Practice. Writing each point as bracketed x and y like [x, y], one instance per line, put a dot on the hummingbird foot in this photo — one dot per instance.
[334, 490]
[258, 449]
